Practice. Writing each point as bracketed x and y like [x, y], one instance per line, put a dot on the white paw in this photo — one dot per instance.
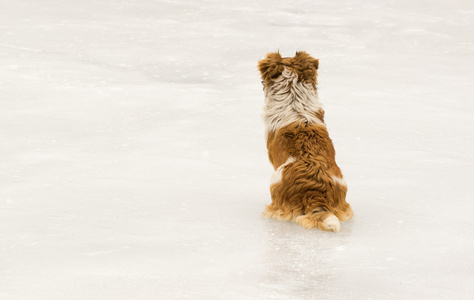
[332, 223]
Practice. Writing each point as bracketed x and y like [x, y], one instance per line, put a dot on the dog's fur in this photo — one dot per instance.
[307, 186]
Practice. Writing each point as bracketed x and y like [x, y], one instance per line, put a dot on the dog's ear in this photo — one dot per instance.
[303, 57]
[307, 67]
[270, 67]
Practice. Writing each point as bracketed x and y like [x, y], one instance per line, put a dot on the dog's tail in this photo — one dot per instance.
[320, 219]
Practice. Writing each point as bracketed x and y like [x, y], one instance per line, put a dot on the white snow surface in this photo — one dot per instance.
[134, 166]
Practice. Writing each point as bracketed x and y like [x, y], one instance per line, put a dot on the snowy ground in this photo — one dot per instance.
[133, 161]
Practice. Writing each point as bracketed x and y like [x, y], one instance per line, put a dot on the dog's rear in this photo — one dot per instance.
[307, 186]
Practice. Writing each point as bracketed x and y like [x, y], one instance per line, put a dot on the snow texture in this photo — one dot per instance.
[133, 161]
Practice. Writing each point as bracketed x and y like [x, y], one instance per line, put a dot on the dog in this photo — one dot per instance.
[307, 186]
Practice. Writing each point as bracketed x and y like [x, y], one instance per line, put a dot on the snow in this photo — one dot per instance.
[133, 161]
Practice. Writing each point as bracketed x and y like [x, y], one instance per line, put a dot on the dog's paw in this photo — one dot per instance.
[331, 223]
[322, 220]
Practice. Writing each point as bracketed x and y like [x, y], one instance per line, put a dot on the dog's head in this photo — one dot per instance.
[303, 65]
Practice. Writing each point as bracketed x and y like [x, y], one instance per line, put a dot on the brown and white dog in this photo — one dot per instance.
[307, 186]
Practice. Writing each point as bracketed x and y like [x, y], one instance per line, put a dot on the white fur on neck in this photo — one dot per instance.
[287, 100]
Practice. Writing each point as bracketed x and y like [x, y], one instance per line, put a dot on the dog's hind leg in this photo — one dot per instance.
[344, 214]
[340, 207]
[280, 212]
